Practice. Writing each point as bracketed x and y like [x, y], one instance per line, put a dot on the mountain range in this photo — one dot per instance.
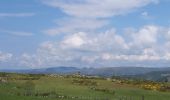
[105, 71]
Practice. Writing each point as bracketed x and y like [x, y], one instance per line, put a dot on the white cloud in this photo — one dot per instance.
[168, 35]
[90, 15]
[146, 36]
[4, 57]
[106, 48]
[17, 33]
[89, 59]
[167, 56]
[72, 25]
[31, 61]
[145, 14]
[75, 40]
[97, 8]
[108, 40]
[4, 15]
[130, 57]
[75, 49]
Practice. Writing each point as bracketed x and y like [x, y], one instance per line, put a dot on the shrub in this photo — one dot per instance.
[29, 88]
[84, 82]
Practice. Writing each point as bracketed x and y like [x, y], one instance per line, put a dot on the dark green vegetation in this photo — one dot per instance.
[77, 87]
[158, 76]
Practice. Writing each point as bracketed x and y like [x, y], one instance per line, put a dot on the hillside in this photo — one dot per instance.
[105, 72]
[159, 76]
[76, 87]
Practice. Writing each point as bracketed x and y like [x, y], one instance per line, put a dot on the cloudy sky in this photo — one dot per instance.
[84, 33]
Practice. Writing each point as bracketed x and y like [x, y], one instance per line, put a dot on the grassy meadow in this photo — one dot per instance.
[75, 87]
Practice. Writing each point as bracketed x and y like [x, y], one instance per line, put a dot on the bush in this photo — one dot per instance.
[105, 90]
[84, 82]
[29, 88]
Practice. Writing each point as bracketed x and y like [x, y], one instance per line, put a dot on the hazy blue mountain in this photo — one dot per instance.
[121, 71]
[110, 71]
[62, 70]
[57, 70]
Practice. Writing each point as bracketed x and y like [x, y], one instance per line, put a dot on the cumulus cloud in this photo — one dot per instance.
[4, 57]
[130, 57]
[74, 48]
[146, 36]
[108, 48]
[108, 40]
[75, 40]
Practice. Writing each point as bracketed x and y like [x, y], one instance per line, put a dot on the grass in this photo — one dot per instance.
[64, 86]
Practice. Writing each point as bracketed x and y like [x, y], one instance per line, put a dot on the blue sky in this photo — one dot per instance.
[88, 33]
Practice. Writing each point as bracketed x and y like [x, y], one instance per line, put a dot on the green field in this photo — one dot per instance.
[56, 87]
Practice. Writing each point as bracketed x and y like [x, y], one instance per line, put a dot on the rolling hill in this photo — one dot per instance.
[106, 72]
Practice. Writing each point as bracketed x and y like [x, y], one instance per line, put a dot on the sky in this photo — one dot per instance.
[84, 33]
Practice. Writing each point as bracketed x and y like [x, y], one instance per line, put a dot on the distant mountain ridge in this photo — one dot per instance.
[159, 76]
[117, 71]
[106, 72]
[52, 70]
